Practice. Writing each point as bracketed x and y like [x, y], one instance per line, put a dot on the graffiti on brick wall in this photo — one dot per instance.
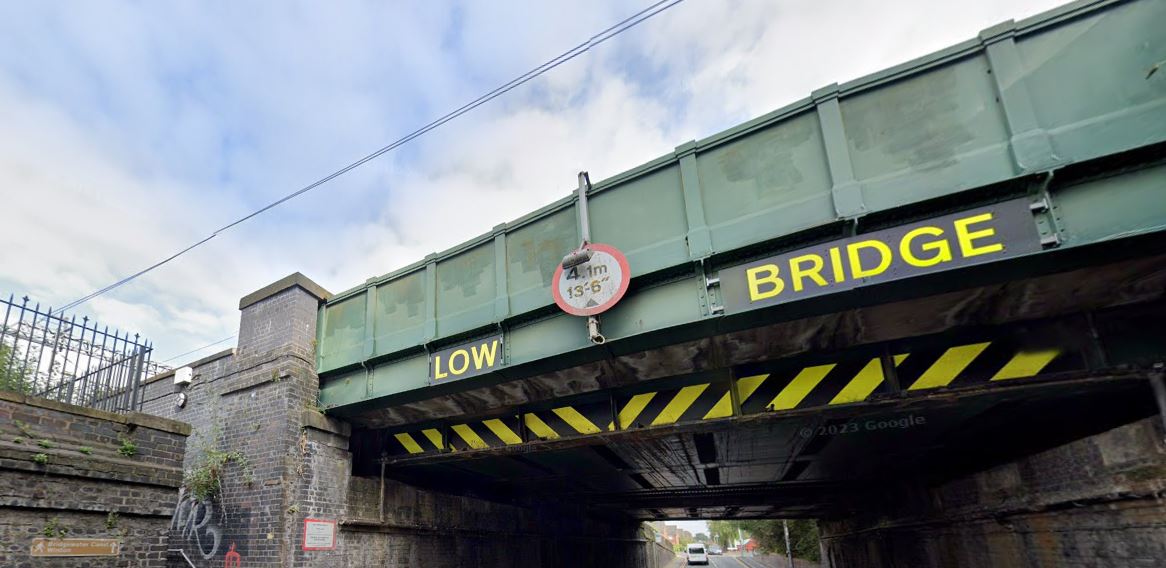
[209, 536]
[195, 521]
[233, 558]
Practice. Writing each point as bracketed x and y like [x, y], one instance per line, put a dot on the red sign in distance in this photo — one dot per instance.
[595, 286]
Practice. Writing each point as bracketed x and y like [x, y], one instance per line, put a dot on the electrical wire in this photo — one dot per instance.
[595, 40]
[196, 350]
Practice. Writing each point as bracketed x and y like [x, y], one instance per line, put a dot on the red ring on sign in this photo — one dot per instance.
[625, 270]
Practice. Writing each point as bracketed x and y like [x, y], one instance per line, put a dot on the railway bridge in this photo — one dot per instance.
[923, 307]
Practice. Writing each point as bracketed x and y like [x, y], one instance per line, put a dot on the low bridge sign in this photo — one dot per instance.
[466, 360]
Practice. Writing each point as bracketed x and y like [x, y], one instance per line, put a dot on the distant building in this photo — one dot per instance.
[671, 534]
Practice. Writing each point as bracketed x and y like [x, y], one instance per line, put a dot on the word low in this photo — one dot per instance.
[466, 360]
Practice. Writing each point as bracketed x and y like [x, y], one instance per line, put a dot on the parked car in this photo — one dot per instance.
[715, 550]
[697, 554]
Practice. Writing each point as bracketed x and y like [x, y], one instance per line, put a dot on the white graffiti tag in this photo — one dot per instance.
[195, 519]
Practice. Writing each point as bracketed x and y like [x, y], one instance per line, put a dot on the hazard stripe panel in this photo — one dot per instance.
[680, 402]
[847, 381]
[863, 384]
[408, 443]
[948, 366]
[631, 410]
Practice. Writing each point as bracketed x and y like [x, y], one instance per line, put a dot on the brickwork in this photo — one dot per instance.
[1093, 502]
[259, 400]
[68, 471]
[659, 555]
[249, 401]
[450, 530]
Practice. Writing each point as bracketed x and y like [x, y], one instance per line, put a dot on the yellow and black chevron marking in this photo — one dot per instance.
[847, 381]
[917, 371]
[693, 402]
[428, 440]
[568, 421]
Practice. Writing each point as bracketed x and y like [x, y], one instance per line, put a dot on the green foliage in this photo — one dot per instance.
[723, 532]
[46, 444]
[13, 376]
[18, 440]
[85, 450]
[53, 529]
[111, 520]
[41, 459]
[205, 479]
[770, 536]
[128, 448]
[24, 428]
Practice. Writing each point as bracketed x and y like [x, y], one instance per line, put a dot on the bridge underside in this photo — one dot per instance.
[819, 457]
[817, 465]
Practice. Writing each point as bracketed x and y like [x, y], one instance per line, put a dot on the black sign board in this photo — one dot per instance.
[467, 359]
[976, 236]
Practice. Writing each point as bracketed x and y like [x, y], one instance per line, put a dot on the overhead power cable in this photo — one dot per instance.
[197, 350]
[595, 40]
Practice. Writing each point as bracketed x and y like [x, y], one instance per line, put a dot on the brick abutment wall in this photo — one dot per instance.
[1093, 502]
[283, 464]
[68, 472]
[253, 412]
[659, 555]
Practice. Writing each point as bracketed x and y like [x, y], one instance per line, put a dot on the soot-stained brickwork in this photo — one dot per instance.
[290, 463]
[1094, 502]
[246, 405]
[73, 472]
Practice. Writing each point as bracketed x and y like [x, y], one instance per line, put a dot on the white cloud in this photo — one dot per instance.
[133, 130]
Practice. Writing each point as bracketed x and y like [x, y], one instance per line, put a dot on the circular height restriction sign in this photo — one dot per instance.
[592, 287]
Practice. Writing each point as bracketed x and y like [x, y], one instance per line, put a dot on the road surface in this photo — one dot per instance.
[739, 562]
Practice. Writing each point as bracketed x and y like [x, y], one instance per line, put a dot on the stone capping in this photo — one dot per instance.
[312, 419]
[129, 419]
[197, 363]
[289, 281]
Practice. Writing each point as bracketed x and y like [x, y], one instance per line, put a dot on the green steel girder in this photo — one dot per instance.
[1116, 341]
[1057, 108]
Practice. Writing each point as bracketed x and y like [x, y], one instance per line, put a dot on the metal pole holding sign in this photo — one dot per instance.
[591, 278]
[593, 332]
[584, 218]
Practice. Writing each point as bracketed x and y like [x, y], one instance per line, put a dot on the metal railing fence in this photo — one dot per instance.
[79, 362]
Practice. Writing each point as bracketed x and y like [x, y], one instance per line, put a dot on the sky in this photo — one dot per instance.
[694, 527]
[130, 130]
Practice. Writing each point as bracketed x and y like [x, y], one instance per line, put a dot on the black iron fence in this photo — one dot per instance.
[69, 360]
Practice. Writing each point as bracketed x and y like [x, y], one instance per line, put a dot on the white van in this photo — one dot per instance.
[697, 554]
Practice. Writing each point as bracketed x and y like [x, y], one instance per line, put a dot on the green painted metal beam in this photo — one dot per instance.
[1063, 93]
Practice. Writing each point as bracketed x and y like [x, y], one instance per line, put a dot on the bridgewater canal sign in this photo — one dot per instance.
[64, 547]
[985, 234]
